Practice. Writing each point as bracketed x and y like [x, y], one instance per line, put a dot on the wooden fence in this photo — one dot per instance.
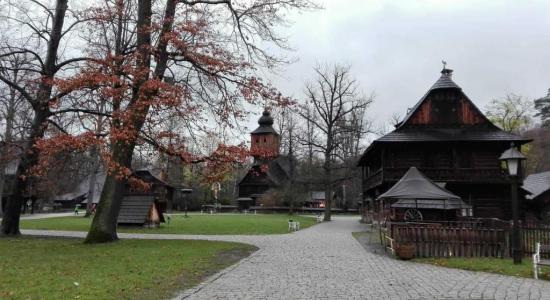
[439, 241]
[475, 238]
[531, 234]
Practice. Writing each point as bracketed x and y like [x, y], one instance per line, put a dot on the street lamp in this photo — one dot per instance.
[513, 158]
[183, 192]
[216, 187]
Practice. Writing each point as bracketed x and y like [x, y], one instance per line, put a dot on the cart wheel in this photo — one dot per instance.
[412, 214]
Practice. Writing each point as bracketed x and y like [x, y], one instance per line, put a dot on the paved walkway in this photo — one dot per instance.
[45, 215]
[326, 262]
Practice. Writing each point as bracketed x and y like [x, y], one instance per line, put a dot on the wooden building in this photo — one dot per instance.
[139, 207]
[270, 170]
[537, 187]
[145, 207]
[315, 199]
[449, 140]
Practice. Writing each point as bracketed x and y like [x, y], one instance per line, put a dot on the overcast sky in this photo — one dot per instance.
[396, 47]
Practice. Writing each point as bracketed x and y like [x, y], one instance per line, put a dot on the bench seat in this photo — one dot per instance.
[537, 261]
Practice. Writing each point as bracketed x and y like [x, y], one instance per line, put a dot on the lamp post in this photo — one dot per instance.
[513, 159]
[216, 187]
[183, 192]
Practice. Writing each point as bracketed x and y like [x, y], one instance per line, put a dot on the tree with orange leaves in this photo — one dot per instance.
[197, 60]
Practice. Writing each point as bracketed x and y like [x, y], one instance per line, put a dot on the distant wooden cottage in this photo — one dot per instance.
[270, 169]
[316, 199]
[145, 207]
[449, 140]
[537, 187]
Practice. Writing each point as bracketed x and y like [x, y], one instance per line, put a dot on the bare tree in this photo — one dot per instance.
[13, 108]
[44, 31]
[332, 97]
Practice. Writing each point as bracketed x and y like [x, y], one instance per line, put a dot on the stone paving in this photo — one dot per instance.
[326, 262]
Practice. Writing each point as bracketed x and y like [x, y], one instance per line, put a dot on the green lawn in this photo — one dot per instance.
[491, 265]
[194, 224]
[57, 268]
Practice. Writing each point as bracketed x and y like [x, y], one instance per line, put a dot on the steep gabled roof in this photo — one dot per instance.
[479, 129]
[278, 171]
[451, 134]
[537, 184]
[445, 81]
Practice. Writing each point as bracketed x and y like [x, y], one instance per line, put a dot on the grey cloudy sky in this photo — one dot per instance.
[396, 47]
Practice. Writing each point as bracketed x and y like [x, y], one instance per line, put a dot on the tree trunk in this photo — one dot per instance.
[93, 180]
[103, 228]
[328, 193]
[8, 139]
[29, 157]
[12, 213]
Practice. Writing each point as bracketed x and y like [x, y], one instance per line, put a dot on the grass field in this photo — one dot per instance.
[56, 268]
[194, 224]
[491, 265]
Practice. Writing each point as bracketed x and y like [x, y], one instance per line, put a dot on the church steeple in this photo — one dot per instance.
[264, 140]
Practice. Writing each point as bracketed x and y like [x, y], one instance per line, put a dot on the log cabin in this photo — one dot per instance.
[453, 143]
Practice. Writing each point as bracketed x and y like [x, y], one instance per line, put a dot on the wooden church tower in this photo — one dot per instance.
[270, 170]
[264, 143]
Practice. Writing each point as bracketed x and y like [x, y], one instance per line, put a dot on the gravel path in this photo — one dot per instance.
[326, 262]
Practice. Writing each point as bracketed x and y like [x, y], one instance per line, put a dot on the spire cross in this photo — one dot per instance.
[444, 64]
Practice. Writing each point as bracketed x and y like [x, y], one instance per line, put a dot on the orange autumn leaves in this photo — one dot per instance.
[217, 79]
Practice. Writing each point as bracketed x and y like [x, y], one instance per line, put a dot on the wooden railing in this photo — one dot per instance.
[448, 175]
[454, 174]
[470, 238]
[531, 234]
[440, 241]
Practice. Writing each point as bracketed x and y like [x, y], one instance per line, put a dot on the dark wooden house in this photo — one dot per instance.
[449, 140]
[269, 170]
[145, 207]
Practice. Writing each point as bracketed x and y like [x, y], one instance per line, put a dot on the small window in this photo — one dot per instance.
[265, 140]
[257, 141]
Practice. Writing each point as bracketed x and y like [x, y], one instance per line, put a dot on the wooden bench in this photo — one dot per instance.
[537, 261]
[293, 225]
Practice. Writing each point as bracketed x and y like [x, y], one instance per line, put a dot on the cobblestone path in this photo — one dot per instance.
[326, 262]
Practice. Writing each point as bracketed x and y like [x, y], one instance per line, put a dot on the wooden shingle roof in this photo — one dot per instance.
[537, 184]
[428, 121]
[451, 134]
